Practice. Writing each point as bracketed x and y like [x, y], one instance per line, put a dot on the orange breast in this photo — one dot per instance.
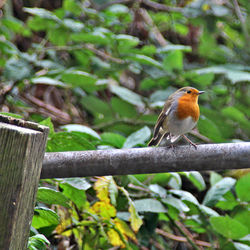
[188, 107]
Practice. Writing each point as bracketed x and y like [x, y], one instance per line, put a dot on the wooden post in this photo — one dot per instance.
[22, 148]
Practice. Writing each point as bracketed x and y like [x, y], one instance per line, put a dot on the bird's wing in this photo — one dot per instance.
[163, 115]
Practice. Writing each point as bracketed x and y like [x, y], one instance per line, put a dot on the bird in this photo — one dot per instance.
[179, 116]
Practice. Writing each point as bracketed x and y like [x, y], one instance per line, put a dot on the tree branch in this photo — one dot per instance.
[242, 20]
[146, 160]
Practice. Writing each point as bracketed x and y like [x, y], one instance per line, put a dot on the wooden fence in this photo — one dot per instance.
[23, 159]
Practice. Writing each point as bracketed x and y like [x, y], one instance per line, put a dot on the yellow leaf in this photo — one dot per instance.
[65, 221]
[101, 187]
[134, 219]
[115, 239]
[103, 209]
[124, 229]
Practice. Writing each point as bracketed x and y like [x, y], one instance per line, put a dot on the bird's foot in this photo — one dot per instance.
[190, 142]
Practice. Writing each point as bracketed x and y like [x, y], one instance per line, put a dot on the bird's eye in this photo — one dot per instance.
[189, 91]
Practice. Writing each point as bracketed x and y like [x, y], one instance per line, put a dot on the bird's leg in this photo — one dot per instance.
[190, 142]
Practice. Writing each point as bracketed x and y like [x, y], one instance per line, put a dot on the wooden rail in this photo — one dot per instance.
[146, 160]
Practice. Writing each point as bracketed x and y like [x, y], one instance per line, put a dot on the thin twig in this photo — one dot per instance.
[161, 7]
[90, 47]
[189, 239]
[157, 34]
[180, 238]
[5, 91]
[63, 115]
[242, 20]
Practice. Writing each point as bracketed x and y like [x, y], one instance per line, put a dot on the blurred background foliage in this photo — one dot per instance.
[98, 72]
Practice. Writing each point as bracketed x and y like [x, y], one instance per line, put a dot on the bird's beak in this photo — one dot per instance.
[201, 92]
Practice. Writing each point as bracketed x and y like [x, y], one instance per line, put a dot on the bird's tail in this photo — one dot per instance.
[155, 141]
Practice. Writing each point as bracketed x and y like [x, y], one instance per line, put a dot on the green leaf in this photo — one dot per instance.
[145, 60]
[207, 210]
[240, 246]
[80, 79]
[175, 182]
[72, 6]
[38, 242]
[46, 14]
[47, 81]
[197, 179]
[208, 128]
[113, 191]
[113, 139]
[73, 25]
[81, 128]
[242, 214]
[132, 40]
[127, 95]
[11, 115]
[176, 203]
[216, 192]
[172, 47]
[77, 182]
[44, 217]
[17, 69]
[228, 227]
[69, 141]
[149, 205]
[162, 192]
[184, 195]
[242, 188]
[203, 79]
[47, 122]
[51, 196]
[227, 202]
[234, 114]
[99, 108]
[173, 61]
[123, 108]
[229, 71]
[76, 195]
[95, 37]
[214, 178]
[58, 36]
[138, 137]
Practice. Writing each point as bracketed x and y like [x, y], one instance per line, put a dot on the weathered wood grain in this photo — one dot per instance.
[22, 147]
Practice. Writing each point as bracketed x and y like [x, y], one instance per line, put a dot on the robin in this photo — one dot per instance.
[179, 116]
